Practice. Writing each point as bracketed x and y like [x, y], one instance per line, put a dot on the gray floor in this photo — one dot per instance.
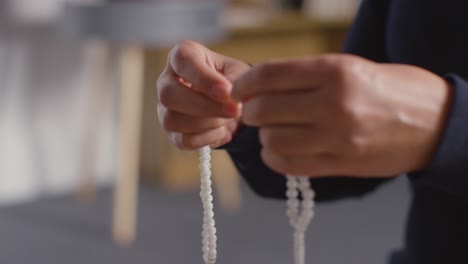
[59, 230]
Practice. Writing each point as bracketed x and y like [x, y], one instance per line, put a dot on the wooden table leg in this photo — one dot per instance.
[126, 188]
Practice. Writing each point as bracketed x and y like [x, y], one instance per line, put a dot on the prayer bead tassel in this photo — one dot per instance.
[299, 220]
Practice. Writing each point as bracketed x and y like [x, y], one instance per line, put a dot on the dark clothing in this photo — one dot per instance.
[432, 34]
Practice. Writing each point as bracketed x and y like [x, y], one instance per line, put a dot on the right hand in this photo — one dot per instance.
[194, 105]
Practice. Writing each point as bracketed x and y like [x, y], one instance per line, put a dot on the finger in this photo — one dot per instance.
[230, 129]
[177, 97]
[233, 69]
[212, 137]
[309, 165]
[189, 61]
[182, 123]
[300, 140]
[305, 107]
[295, 74]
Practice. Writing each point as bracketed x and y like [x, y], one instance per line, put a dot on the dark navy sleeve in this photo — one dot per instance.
[365, 38]
[245, 152]
[448, 171]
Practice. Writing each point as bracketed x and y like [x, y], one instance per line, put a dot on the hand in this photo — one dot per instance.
[343, 115]
[194, 104]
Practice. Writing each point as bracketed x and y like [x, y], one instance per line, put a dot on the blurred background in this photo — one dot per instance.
[86, 173]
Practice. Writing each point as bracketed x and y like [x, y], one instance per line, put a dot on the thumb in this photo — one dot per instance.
[193, 63]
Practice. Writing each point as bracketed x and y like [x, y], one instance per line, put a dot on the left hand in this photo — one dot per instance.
[344, 115]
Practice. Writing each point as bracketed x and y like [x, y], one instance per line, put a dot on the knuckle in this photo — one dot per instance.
[165, 97]
[353, 141]
[325, 60]
[346, 107]
[355, 144]
[161, 111]
[255, 112]
[168, 122]
[185, 142]
[214, 123]
[269, 141]
[161, 80]
[162, 83]
[191, 142]
[278, 163]
[346, 99]
[346, 70]
[342, 70]
[175, 138]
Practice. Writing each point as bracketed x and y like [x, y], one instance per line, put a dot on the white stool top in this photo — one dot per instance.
[146, 23]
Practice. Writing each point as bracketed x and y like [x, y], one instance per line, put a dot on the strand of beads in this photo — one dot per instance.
[300, 213]
[209, 229]
[299, 220]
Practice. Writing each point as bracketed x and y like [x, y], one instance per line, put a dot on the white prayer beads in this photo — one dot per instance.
[209, 229]
[298, 220]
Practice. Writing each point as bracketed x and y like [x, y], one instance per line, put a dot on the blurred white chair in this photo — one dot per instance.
[130, 26]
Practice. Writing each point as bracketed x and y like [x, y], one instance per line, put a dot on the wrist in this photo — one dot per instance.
[440, 91]
[421, 101]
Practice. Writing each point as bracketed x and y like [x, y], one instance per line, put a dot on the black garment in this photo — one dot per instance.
[432, 34]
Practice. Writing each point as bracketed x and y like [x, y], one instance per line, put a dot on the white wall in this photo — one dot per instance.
[47, 87]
